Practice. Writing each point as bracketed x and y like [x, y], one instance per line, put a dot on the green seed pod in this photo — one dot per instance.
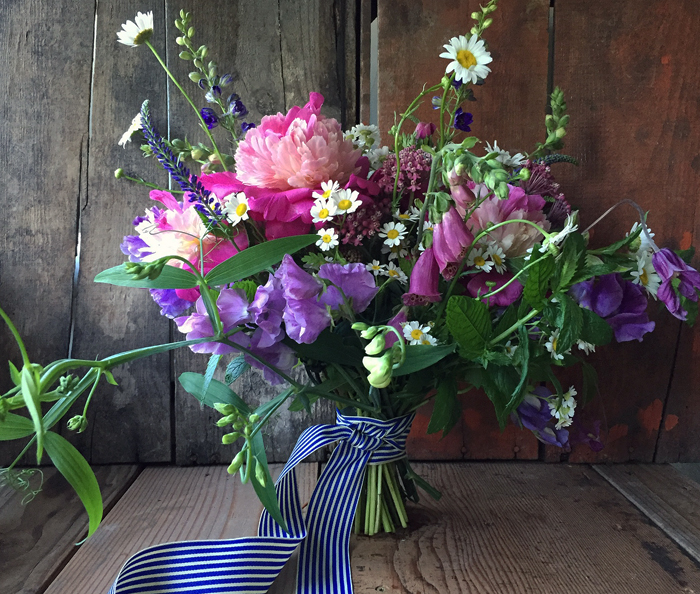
[190, 32]
[119, 173]
[198, 63]
[179, 41]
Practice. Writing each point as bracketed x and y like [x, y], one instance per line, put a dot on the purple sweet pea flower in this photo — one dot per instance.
[267, 308]
[423, 288]
[305, 319]
[395, 322]
[170, 304]
[135, 247]
[477, 286]
[424, 130]
[451, 239]
[620, 303]
[296, 282]
[354, 280]
[534, 414]
[463, 119]
[669, 267]
[278, 355]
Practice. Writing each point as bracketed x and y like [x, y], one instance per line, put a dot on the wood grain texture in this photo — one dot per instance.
[42, 171]
[164, 505]
[129, 422]
[663, 495]
[519, 528]
[632, 96]
[38, 538]
[509, 108]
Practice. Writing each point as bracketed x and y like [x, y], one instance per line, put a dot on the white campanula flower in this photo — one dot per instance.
[329, 190]
[395, 251]
[394, 233]
[586, 347]
[415, 333]
[477, 260]
[469, 58]
[236, 208]
[347, 201]
[505, 157]
[323, 210]
[393, 271]
[646, 275]
[495, 252]
[376, 268]
[133, 127]
[328, 239]
[551, 346]
[564, 411]
[136, 33]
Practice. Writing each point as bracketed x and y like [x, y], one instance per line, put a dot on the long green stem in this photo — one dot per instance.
[431, 183]
[18, 338]
[393, 489]
[441, 141]
[143, 182]
[515, 326]
[186, 96]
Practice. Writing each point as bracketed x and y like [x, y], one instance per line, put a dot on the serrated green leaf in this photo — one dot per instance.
[170, 278]
[78, 473]
[569, 322]
[193, 383]
[447, 409]
[469, 323]
[266, 493]
[571, 258]
[257, 258]
[420, 356]
[209, 374]
[538, 281]
[235, 369]
[15, 427]
[595, 329]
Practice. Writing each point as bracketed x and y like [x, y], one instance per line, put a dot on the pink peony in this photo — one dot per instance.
[516, 238]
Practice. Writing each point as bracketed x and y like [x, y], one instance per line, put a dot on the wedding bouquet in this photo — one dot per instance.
[396, 275]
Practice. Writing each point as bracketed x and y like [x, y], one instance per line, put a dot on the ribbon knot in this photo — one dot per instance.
[250, 565]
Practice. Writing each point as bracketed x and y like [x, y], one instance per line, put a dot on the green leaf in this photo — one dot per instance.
[499, 382]
[211, 370]
[235, 369]
[573, 257]
[537, 283]
[595, 329]
[625, 241]
[78, 473]
[267, 409]
[15, 427]
[420, 356]
[193, 383]
[508, 319]
[15, 374]
[170, 278]
[570, 323]
[257, 258]
[469, 323]
[303, 401]
[590, 383]
[248, 286]
[109, 377]
[266, 493]
[30, 392]
[523, 354]
[448, 408]
[329, 347]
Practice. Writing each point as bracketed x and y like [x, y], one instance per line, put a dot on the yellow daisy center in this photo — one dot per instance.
[344, 204]
[425, 341]
[392, 234]
[393, 273]
[404, 216]
[327, 192]
[327, 238]
[241, 209]
[479, 261]
[644, 277]
[466, 58]
[323, 213]
[497, 259]
[416, 334]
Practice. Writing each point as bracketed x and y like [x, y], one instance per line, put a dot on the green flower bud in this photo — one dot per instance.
[224, 409]
[260, 474]
[198, 154]
[185, 56]
[195, 77]
[229, 438]
[359, 326]
[560, 133]
[253, 418]
[119, 173]
[198, 63]
[247, 430]
[238, 424]
[203, 52]
[226, 420]
[445, 82]
[475, 16]
[370, 333]
[487, 23]
[78, 423]
[377, 345]
[524, 173]
[379, 369]
[236, 463]
[190, 32]
[179, 41]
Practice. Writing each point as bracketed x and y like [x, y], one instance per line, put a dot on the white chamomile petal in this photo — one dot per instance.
[394, 272]
[322, 210]
[376, 268]
[328, 190]
[133, 127]
[469, 58]
[136, 33]
[393, 233]
[236, 208]
[478, 261]
[347, 201]
[328, 239]
[495, 252]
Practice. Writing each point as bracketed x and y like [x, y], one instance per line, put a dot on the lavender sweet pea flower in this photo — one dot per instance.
[170, 304]
[305, 319]
[267, 308]
[670, 266]
[620, 303]
[423, 288]
[278, 355]
[395, 322]
[485, 282]
[135, 247]
[534, 414]
[296, 282]
[451, 239]
[354, 280]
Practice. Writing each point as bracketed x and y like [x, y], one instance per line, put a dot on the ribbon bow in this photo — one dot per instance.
[250, 565]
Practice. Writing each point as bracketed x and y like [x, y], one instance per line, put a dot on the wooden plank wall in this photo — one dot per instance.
[629, 73]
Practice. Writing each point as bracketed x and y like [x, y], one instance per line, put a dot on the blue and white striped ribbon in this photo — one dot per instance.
[250, 565]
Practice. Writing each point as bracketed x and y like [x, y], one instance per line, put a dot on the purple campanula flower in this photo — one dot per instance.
[670, 267]
[354, 280]
[237, 109]
[463, 119]
[534, 414]
[170, 304]
[278, 355]
[267, 308]
[620, 303]
[245, 126]
[305, 319]
[423, 287]
[209, 117]
[226, 80]
[296, 282]
[451, 240]
[424, 130]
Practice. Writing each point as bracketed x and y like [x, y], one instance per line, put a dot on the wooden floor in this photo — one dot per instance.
[499, 528]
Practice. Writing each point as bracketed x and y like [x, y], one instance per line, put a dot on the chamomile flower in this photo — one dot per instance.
[393, 271]
[556, 239]
[328, 239]
[497, 256]
[477, 260]
[563, 410]
[323, 210]
[504, 156]
[393, 233]
[133, 127]
[643, 240]
[586, 347]
[395, 251]
[236, 208]
[137, 33]
[429, 340]
[362, 136]
[411, 214]
[645, 275]
[551, 346]
[347, 201]
[469, 58]
[377, 268]
[414, 333]
[510, 348]
[328, 190]
[377, 156]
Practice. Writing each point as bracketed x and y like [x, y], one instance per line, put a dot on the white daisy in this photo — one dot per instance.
[428, 339]
[644, 245]
[376, 268]
[469, 58]
[645, 275]
[504, 156]
[393, 271]
[323, 210]
[328, 239]
[137, 33]
[551, 346]
[564, 411]
[133, 127]
[393, 233]
[586, 347]
[556, 239]
[377, 156]
[477, 260]
[497, 256]
[347, 201]
[414, 333]
[395, 251]
[362, 136]
[236, 208]
[329, 190]
[411, 214]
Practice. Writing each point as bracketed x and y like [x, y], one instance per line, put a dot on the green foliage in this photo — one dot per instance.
[469, 323]
[15, 427]
[421, 356]
[248, 286]
[595, 329]
[265, 488]
[538, 281]
[330, 347]
[500, 383]
[30, 393]
[171, 277]
[448, 409]
[235, 369]
[572, 259]
[209, 375]
[569, 322]
[216, 392]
